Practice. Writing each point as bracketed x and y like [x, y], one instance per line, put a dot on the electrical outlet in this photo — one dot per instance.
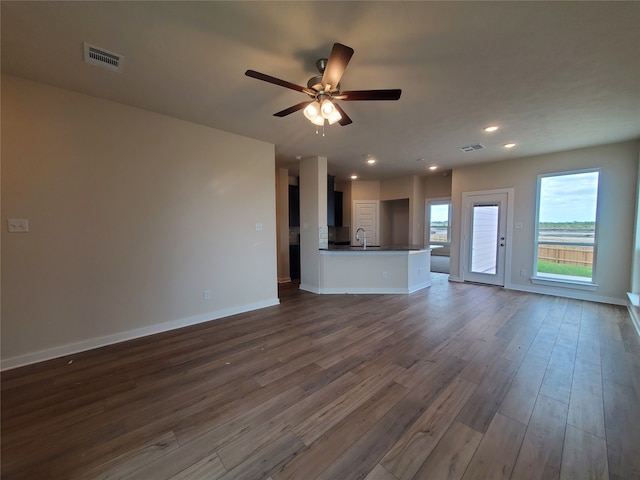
[523, 272]
[18, 225]
[385, 275]
[258, 227]
[206, 294]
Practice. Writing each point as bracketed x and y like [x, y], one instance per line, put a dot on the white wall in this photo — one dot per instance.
[437, 185]
[635, 271]
[417, 216]
[282, 224]
[132, 215]
[618, 164]
[313, 217]
[394, 222]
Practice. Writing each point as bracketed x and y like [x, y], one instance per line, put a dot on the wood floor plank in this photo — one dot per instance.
[317, 424]
[586, 404]
[584, 456]
[361, 457]
[209, 467]
[541, 451]
[450, 458]
[267, 459]
[479, 411]
[379, 473]
[559, 374]
[496, 455]
[521, 397]
[622, 414]
[334, 442]
[132, 460]
[415, 445]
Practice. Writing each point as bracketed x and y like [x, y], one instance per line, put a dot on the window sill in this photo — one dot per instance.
[564, 283]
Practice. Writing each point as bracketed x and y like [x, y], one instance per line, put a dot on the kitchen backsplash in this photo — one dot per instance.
[339, 235]
[336, 235]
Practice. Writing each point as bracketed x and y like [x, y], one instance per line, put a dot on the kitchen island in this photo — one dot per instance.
[374, 269]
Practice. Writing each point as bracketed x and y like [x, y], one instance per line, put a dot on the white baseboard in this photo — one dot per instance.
[92, 343]
[309, 288]
[634, 309]
[373, 290]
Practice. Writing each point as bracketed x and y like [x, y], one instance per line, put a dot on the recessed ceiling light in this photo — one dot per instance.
[370, 159]
[509, 145]
[491, 129]
[353, 177]
[433, 167]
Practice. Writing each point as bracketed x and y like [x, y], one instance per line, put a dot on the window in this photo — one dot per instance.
[566, 227]
[440, 222]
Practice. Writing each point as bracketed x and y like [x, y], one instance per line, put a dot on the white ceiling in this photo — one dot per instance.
[553, 75]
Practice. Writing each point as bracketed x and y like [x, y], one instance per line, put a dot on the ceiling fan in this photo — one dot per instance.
[324, 89]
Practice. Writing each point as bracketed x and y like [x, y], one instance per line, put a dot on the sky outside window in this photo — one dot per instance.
[569, 198]
[439, 213]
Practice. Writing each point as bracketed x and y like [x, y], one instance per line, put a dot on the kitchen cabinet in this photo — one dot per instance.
[337, 196]
[331, 209]
[294, 206]
[294, 262]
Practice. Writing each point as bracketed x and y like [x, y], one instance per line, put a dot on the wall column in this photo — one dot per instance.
[313, 220]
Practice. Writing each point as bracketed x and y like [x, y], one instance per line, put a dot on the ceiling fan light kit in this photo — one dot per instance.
[324, 90]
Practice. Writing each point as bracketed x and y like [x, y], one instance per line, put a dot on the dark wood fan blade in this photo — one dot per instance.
[338, 60]
[357, 95]
[345, 120]
[275, 81]
[291, 110]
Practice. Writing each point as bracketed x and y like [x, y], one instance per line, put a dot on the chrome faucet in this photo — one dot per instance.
[364, 237]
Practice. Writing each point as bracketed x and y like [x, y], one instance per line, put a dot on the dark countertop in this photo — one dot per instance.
[374, 248]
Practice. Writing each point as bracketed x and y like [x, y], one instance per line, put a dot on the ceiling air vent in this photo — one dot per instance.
[103, 58]
[472, 148]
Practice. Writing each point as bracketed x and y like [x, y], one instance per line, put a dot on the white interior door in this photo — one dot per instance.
[365, 216]
[485, 238]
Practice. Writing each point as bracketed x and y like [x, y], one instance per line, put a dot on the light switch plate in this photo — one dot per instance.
[18, 225]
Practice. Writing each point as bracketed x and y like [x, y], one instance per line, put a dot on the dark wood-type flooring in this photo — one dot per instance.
[456, 381]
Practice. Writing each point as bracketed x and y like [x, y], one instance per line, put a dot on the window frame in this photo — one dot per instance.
[438, 201]
[587, 284]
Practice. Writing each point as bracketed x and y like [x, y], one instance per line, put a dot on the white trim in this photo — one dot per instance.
[355, 223]
[561, 283]
[464, 250]
[375, 290]
[633, 305]
[309, 288]
[536, 234]
[427, 219]
[569, 294]
[93, 343]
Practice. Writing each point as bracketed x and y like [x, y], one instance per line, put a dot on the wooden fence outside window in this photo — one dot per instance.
[566, 255]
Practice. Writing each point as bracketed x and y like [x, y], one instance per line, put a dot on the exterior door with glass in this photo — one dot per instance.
[485, 238]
